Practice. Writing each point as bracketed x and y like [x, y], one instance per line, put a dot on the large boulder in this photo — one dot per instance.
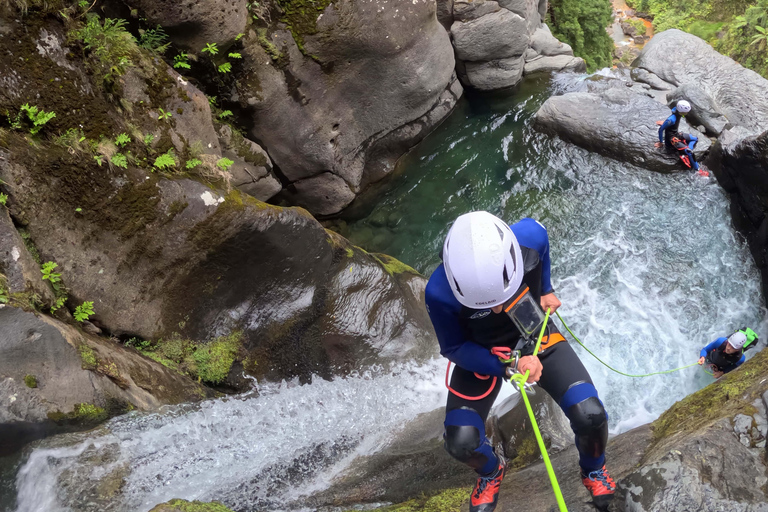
[498, 35]
[163, 257]
[618, 123]
[349, 98]
[526, 9]
[679, 58]
[495, 74]
[19, 272]
[544, 43]
[54, 378]
[703, 109]
[543, 64]
[466, 11]
[193, 24]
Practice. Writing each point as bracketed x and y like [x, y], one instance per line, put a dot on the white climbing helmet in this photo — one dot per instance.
[737, 339]
[683, 107]
[482, 260]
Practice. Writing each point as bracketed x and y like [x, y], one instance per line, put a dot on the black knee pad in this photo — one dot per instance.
[461, 441]
[589, 422]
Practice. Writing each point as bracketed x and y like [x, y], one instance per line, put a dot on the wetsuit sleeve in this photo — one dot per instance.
[669, 122]
[741, 361]
[706, 350]
[532, 234]
[444, 309]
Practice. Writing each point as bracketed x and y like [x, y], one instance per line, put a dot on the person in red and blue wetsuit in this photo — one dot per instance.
[671, 138]
[724, 354]
[488, 268]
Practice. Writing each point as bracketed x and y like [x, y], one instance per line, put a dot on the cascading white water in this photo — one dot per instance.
[247, 451]
[647, 266]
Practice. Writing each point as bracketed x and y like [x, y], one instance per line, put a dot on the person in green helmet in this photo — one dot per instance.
[725, 354]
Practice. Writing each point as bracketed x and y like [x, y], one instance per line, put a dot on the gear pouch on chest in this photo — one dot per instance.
[525, 313]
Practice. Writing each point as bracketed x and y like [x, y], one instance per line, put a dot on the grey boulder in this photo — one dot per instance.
[617, 123]
[679, 58]
[466, 11]
[529, 10]
[557, 63]
[21, 271]
[646, 77]
[193, 24]
[498, 35]
[544, 43]
[495, 74]
[704, 110]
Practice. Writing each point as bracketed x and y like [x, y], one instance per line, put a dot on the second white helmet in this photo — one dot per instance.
[683, 106]
[482, 260]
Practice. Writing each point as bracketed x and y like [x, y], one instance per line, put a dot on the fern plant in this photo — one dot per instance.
[224, 164]
[235, 55]
[225, 68]
[180, 61]
[225, 113]
[165, 161]
[191, 164]
[122, 139]
[84, 311]
[210, 48]
[111, 44]
[3, 198]
[119, 160]
[154, 40]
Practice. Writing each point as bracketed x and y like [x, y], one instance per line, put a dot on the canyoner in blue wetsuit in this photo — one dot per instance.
[671, 138]
[725, 354]
[489, 270]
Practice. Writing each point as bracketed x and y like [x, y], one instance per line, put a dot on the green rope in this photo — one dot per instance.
[521, 380]
[609, 366]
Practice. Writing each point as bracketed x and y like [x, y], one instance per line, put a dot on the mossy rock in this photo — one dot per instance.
[732, 394]
[190, 506]
[449, 500]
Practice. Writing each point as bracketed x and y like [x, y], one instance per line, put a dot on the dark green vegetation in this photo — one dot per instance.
[301, 18]
[207, 362]
[582, 24]
[737, 28]
[190, 506]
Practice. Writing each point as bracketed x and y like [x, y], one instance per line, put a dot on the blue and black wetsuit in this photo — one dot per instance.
[716, 356]
[670, 136]
[466, 338]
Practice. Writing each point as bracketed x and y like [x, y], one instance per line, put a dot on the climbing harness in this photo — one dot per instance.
[612, 368]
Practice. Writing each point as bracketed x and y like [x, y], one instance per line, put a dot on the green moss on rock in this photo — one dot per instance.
[83, 413]
[393, 265]
[301, 17]
[88, 357]
[730, 395]
[30, 381]
[449, 500]
[190, 506]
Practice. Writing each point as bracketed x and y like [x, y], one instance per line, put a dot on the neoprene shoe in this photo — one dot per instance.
[600, 486]
[486, 492]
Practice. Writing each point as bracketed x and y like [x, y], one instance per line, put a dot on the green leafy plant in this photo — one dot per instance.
[225, 68]
[73, 140]
[165, 161]
[210, 48]
[239, 36]
[191, 164]
[180, 61]
[761, 37]
[59, 303]
[212, 100]
[224, 163]
[122, 139]
[224, 114]
[163, 115]
[119, 160]
[235, 55]
[154, 40]
[35, 115]
[149, 139]
[3, 198]
[84, 311]
[99, 159]
[110, 43]
[48, 272]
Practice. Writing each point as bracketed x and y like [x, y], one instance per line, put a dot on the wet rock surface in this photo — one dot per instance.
[54, 379]
[618, 123]
[703, 109]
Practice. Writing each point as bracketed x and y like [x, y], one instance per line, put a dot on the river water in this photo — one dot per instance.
[647, 266]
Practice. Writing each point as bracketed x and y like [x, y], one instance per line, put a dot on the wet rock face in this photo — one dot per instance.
[21, 271]
[54, 379]
[741, 95]
[741, 166]
[193, 23]
[618, 123]
[349, 109]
